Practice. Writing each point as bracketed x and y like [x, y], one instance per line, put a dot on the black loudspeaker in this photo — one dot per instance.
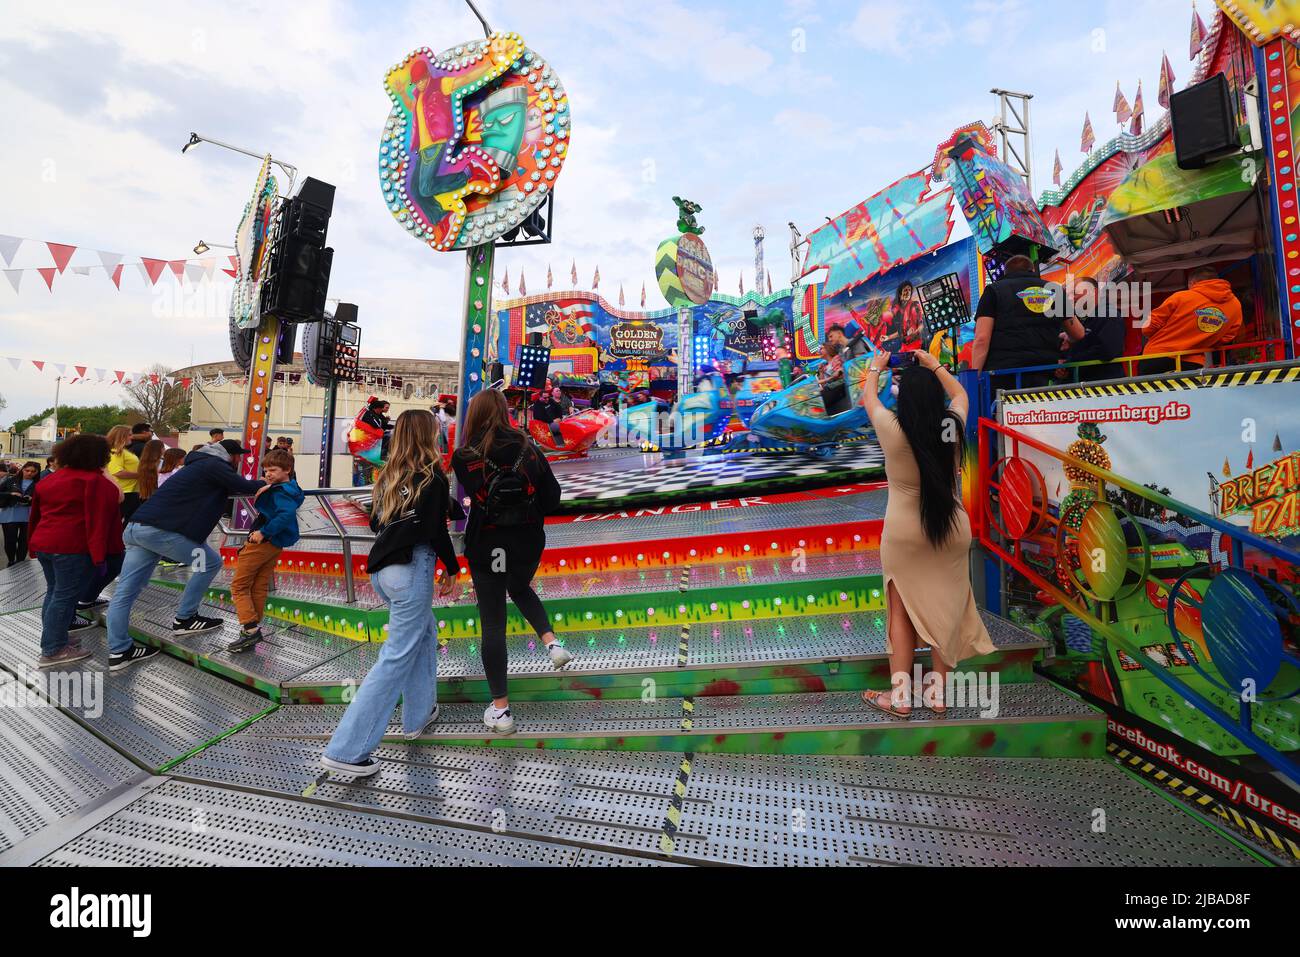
[346, 312]
[1204, 123]
[496, 372]
[284, 348]
[298, 279]
[535, 339]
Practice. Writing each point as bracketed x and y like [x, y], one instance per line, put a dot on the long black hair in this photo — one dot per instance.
[938, 440]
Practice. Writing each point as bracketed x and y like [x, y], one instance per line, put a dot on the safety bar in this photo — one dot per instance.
[340, 530]
[993, 434]
[1274, 351]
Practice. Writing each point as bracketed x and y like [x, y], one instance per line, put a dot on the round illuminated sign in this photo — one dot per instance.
[475, 141]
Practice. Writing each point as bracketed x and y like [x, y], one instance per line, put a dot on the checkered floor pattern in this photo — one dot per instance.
[698, 472]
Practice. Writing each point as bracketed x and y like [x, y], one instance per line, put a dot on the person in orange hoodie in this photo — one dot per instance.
[1206, 315]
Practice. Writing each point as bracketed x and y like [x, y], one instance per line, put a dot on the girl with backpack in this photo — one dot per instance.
[511, 489]
[410, 516]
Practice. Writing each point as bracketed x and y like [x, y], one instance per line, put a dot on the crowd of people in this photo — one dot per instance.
[1015, 330]
[112, 507]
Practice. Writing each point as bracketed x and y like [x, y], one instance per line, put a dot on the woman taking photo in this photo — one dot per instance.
[123, 468]
[77, 538]
[15, 507]
[409, 513]
[511, 489]
[925, 547]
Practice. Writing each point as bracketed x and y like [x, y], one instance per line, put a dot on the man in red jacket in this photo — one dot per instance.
[76, 535]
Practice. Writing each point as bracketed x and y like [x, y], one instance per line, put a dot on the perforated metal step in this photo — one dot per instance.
[716, 518]
[50, 766]
[22, 586]
[187, 824]
[759, 809]
[155, 711]
[286, 652]
[1033, 719]
[808, 651]
[616, 800]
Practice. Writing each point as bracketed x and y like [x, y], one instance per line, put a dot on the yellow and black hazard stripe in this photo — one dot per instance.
[1182, 383]
[1192, 794]
[673, 819]
[682, 642]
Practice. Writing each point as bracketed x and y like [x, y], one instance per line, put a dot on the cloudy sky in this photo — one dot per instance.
[763, 111]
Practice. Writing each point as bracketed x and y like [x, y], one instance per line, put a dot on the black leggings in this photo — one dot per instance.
[520, 561]
[15, 541]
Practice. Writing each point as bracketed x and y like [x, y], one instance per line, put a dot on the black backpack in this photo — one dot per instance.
[509, 498]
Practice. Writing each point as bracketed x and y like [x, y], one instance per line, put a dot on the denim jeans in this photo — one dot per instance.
[407, 666]
[145, 547]
[65, 580]
[98, 583]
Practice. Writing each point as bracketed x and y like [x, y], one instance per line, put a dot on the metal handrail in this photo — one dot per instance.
[1220, 353]
[1242, 728]
[340, 533]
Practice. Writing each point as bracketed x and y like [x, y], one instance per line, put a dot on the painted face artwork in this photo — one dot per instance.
[451, 164]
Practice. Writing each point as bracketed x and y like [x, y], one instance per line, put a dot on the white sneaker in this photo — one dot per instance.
[498, 720]
[423, 732]
[559, 656]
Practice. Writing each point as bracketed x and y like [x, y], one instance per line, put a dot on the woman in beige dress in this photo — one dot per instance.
[926, 542]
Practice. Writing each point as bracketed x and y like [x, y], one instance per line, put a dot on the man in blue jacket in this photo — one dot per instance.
[174, 524]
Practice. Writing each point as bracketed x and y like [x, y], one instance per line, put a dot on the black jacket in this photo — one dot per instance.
[11, 490]
[193, 501]
[470, 472]
[424, 524]
[1023, 334]
[1103, 340]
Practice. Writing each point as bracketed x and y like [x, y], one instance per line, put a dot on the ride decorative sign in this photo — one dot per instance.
[1270, 493]
[475, 140]
[695, 269]
[636, 339]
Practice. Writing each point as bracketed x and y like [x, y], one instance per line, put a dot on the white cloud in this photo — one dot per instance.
[128, 104]
[899, 28]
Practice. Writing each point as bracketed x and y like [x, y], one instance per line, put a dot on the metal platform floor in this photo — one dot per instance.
[50, 766]
[756, 810]
[155, 713]
[179, 823]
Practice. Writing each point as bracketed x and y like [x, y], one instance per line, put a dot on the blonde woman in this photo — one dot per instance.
[409, 515]
[124, 469]
[172, 462]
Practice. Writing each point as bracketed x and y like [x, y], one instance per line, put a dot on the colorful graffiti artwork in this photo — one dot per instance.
[903, 221]
[994, 198]
[732, 332]
[887, 310]
[1262, 20]
[476, 139]
[250, 251]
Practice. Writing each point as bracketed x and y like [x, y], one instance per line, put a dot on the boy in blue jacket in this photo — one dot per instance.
[275, 529]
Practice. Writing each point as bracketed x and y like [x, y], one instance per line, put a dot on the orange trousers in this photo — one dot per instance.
[252, 583]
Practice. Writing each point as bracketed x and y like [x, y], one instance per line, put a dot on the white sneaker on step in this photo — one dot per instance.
[559, 655]
[498, 719]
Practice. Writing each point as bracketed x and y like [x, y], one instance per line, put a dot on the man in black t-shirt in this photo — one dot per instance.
[546, 409]
[1013, 328]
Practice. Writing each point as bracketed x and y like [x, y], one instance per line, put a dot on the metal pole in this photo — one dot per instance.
[57, 382]
[327, 433]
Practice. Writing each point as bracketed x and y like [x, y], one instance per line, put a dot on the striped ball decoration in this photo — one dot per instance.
[684, 271]
[475, 140]
[666, 273]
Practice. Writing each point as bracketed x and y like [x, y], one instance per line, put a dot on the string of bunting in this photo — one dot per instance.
[110, 263]
[73, 373]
